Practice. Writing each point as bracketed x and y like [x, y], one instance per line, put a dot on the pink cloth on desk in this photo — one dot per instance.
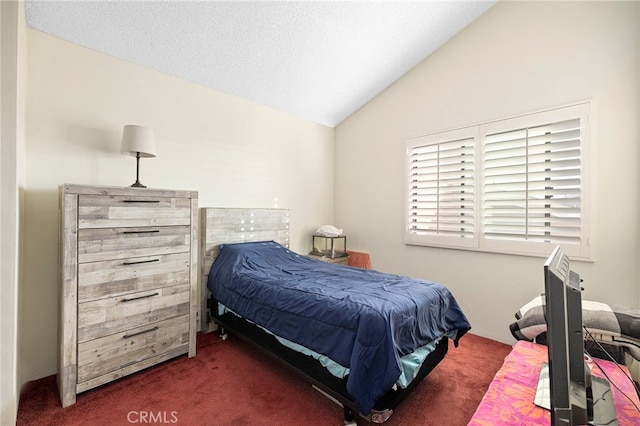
[509, 399]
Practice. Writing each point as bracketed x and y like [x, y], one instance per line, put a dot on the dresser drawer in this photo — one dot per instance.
[117, 277]
[102, 317]
[99, 211]
[116, 351]
[120, 243]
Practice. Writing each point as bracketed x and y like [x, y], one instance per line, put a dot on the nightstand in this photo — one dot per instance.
[343, 260]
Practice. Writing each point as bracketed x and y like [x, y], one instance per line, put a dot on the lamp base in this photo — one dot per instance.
[137, 183]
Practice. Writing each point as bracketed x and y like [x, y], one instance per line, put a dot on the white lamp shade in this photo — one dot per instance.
[138, 139]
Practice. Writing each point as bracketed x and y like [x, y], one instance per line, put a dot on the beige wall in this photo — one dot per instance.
[519, 57]
[235, 153]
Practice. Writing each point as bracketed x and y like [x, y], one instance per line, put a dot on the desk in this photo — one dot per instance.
[509, 399]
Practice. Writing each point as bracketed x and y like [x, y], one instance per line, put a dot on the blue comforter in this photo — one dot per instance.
[362, 319]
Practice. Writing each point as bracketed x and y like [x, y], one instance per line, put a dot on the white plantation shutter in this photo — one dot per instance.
[519, 185]
[441, 189]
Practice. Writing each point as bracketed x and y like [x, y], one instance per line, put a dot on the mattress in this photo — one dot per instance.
[410, 363]
[364, 320]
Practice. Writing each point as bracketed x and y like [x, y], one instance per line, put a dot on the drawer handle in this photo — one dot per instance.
[131, 299]
[141, 261]
[151, 231]
[140, 201]
[126, 336]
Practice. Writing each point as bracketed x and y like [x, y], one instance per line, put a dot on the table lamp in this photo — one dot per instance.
[138, 141]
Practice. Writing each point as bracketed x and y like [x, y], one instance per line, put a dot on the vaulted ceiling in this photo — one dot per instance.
[321, 60]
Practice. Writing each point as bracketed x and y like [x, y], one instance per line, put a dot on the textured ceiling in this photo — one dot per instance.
[320, 60]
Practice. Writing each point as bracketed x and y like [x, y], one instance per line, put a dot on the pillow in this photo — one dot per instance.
[608, 324]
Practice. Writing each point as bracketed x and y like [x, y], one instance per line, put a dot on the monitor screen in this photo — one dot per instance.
[572, 389]
[565, 341]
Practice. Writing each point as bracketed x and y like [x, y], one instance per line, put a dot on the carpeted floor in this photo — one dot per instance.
[230, 383]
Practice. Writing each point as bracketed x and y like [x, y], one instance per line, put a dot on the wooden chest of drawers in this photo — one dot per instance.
[128, 264]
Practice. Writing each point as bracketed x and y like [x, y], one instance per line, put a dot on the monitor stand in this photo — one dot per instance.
[601, 412]
[604, 409]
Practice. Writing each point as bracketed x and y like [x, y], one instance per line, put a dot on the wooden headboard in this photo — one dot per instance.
[234, 225]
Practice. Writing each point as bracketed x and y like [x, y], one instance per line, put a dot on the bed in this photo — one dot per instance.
[364, 338]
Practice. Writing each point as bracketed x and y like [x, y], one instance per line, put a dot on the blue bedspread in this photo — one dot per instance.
[362, 319]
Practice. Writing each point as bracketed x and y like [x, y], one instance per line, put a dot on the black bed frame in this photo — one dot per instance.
[312, 371]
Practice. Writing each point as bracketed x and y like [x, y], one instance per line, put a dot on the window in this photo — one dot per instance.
[442, 204]
[519, 185]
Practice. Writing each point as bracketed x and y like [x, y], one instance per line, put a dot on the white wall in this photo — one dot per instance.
[519, 57]
[235, 153]
[12, 112]
[636, 372]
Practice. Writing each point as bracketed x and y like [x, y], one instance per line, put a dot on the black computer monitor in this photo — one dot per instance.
[572, 388]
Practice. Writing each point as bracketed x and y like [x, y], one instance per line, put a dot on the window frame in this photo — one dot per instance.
[583, 249]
